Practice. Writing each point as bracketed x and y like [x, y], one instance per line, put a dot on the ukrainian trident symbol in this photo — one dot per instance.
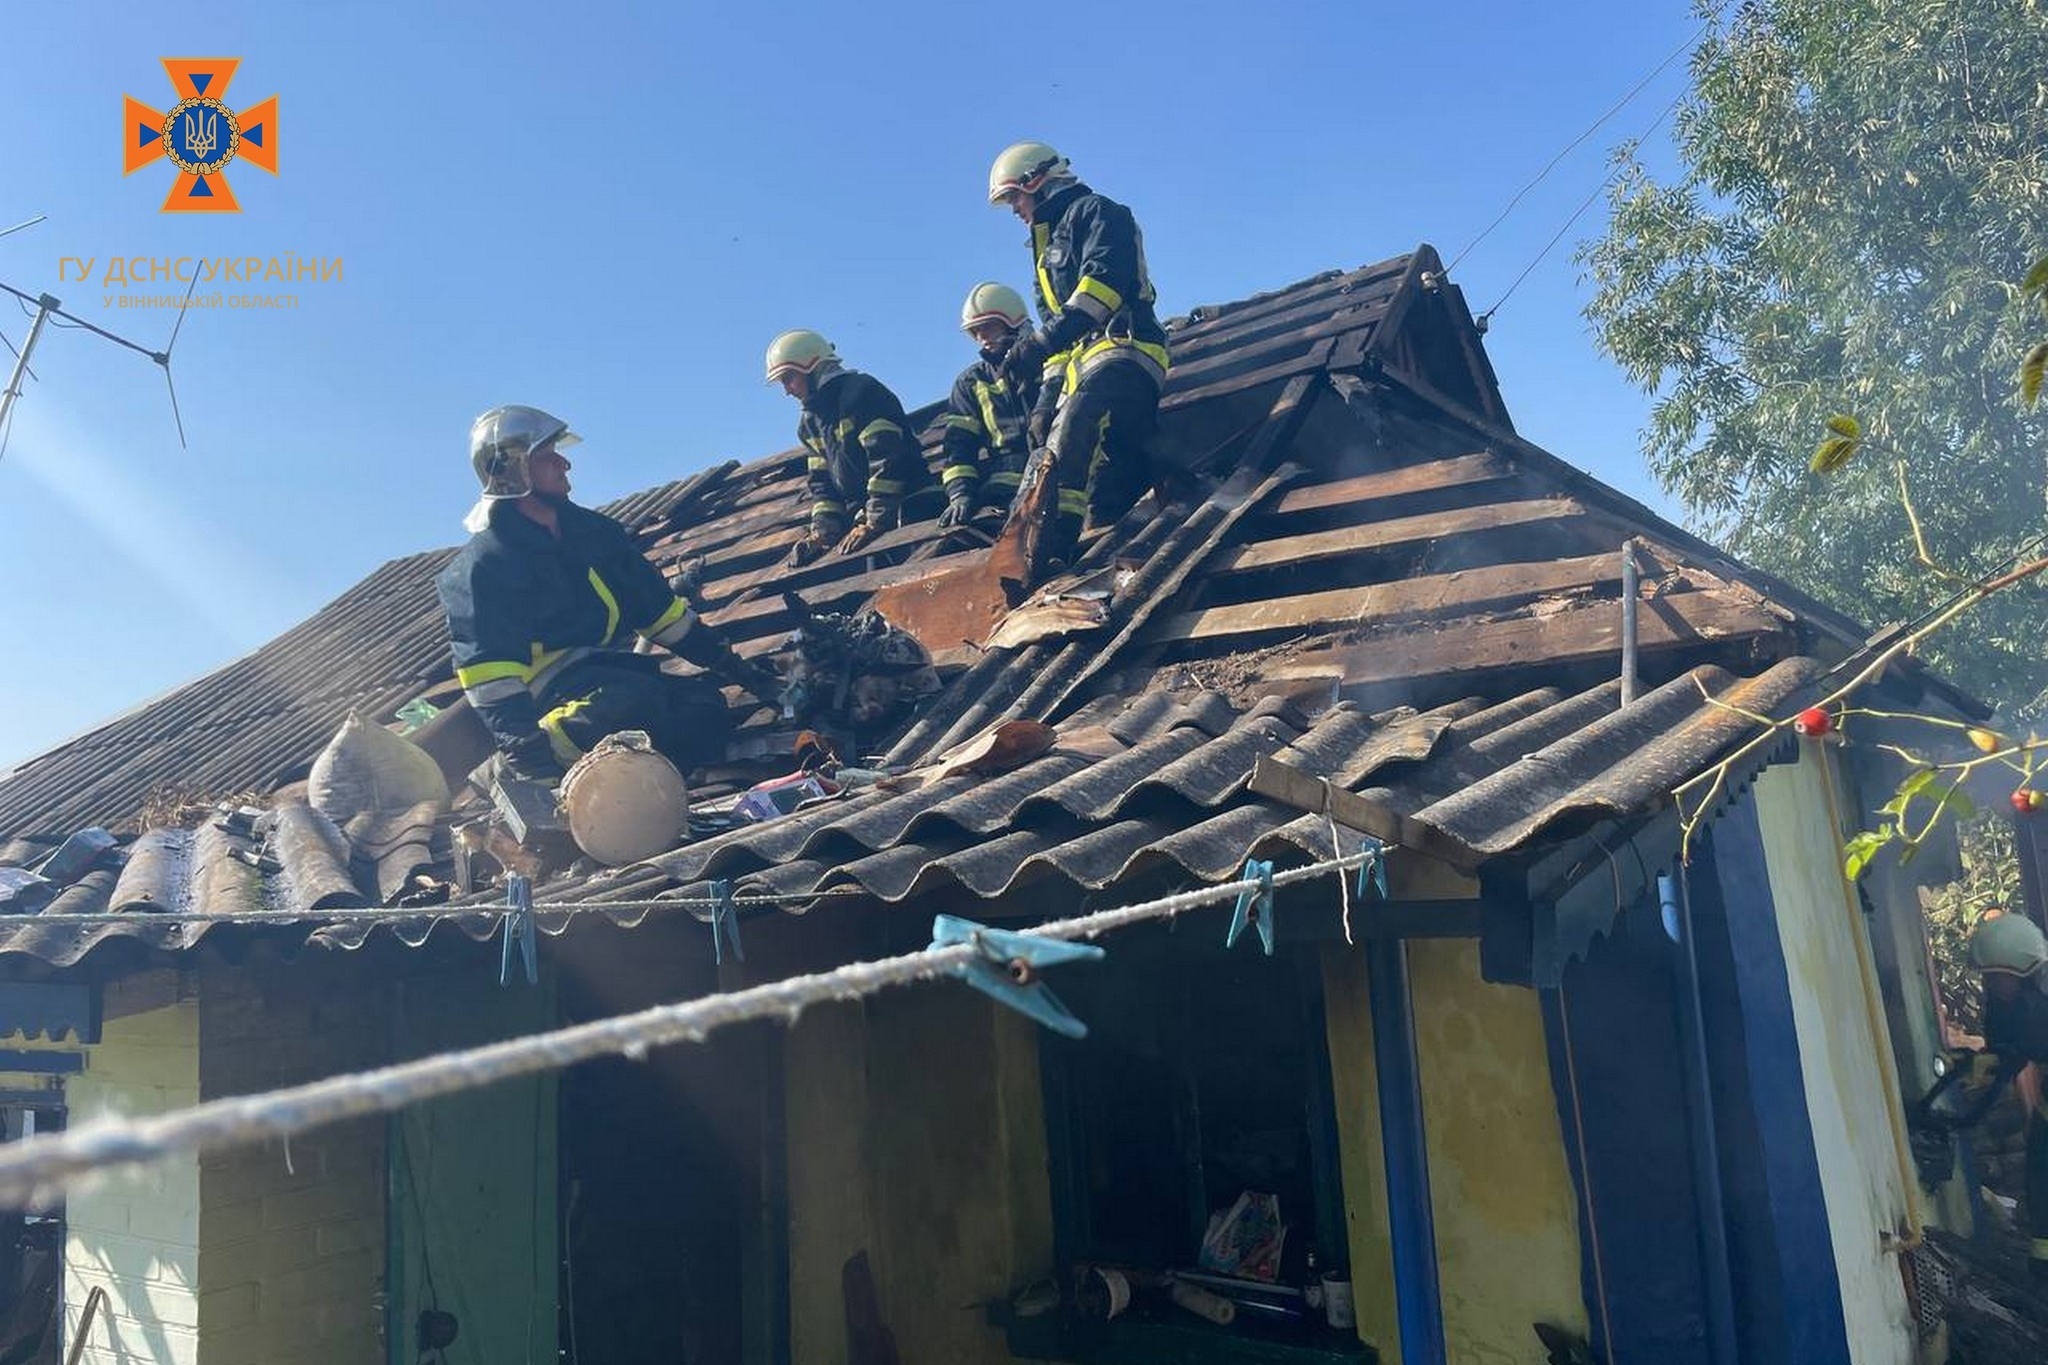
[200, 135]
[202, 131]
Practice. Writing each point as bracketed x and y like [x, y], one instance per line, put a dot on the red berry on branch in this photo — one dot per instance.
[2026, 800]
[1813, 722]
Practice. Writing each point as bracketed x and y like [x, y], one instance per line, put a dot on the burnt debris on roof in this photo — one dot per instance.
[1371, 570]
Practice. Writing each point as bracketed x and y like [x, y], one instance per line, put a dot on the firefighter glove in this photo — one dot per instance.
[1038, 426]
[959, 503]
[1026, 356]
[710, 651]
[814, 543]
[884, 514]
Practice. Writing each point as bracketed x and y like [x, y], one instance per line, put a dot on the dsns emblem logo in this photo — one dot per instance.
[200, 135]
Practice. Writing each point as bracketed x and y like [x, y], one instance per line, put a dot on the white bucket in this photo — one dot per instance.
[624, 801]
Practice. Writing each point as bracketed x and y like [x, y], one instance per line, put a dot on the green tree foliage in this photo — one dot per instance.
[1864, 188]
[1989, 871]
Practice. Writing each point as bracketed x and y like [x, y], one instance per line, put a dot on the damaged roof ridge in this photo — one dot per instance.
[1652, 526]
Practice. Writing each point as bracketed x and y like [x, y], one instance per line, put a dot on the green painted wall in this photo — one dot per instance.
[473, 1181]
[916, 1133]
[1506, 1214]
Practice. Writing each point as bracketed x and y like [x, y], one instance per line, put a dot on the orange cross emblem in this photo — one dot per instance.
[200, 135]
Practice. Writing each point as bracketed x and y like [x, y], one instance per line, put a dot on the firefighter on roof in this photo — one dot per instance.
[1100, 352]
[864, 464]
[986, 440]
[542, 605]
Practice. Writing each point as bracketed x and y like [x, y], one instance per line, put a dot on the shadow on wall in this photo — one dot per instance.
[149, 1311]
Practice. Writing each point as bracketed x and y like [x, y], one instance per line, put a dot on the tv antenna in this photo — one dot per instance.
[48, 307]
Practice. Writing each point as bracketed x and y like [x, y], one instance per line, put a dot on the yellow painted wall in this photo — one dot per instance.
[136, 1234]
[1354, 1086]
[826, 1113]
[1507, 1230]
[916, 1133]
[1505, 1211]
[1846, 1055]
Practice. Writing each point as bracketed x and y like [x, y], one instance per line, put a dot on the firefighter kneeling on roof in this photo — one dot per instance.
[1101, 352]
[542, 604]
[865, 473]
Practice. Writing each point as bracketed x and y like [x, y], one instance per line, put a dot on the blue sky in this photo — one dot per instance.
[608, 209]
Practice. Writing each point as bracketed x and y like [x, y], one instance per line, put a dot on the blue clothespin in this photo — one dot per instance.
[1374, 869]
[1254, 906]
[725, 924]
[520, 936]
[1007, 970]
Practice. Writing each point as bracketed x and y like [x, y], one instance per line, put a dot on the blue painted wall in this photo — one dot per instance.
[1614, 1059]
[1777, 1213]
[1627, 1134]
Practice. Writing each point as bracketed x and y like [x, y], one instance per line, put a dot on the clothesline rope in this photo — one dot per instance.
[39, 1170]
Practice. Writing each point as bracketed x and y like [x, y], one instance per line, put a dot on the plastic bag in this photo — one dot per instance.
[1245, 1240]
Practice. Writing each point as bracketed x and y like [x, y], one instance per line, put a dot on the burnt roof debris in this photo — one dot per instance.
[1363, 527]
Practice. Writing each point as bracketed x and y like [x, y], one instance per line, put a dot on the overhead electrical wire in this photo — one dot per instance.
[1574, 144]
[1577, 213]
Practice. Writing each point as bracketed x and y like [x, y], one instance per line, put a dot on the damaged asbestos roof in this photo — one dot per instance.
[1372, 576]
[1154, 786]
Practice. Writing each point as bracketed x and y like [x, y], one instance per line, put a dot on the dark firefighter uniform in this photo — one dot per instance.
[864, 464]
[1105, 355]
[986, 443]
[2016, 1033]
[541, 630]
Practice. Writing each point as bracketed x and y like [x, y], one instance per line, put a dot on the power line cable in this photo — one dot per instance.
[1558, 236]
[38, 1170]
[1591, 128]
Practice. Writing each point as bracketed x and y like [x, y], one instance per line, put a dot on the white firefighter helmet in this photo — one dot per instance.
[992, 302]
[1024, 166]
[502, 442]
[798, 351]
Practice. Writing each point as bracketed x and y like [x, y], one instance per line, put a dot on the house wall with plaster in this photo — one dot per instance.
[1506, 1217]
[916, 1134]
[1845, 1052]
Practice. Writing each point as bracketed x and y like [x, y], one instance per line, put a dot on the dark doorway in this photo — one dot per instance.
[31, 1246]
[668, 1234]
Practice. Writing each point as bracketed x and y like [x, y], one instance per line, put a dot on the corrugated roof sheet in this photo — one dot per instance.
[1152, 784]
